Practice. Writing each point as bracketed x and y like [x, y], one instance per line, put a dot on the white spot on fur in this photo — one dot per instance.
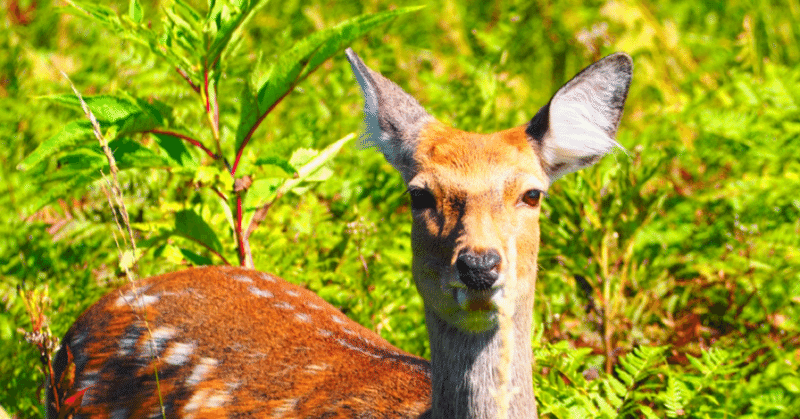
[313, 306]
[155, 413]
[242, 278]
[314, 368]
[195, 403]
[292, 293]
[218, 399]
[135, 298]
[78, 338]
[158, 339]
[348, 331]
[127, 343]
[303, 317]
[284, 305]
[266, 277]
[179, 353]
[259, 292]
[324, 332]
[337, 319]
[287, 406]
[349, 345]
[201, 370]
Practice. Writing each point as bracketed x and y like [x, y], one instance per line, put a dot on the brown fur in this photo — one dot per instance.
[259, 358]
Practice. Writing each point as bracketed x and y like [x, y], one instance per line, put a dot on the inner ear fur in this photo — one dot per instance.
[578, 126]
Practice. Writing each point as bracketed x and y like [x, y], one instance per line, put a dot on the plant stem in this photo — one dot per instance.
[253, 129]
[186, 77]
[212, 109]
[240, 239]
[188, 139]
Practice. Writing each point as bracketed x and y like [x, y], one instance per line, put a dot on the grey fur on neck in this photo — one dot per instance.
[464, 369]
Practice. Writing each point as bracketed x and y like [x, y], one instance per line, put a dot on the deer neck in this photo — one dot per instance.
[465, 369]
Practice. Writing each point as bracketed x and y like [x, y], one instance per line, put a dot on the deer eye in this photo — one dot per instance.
[421, 199]
[532, 198]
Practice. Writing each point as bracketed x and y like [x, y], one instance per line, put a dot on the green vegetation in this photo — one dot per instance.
[670, 276]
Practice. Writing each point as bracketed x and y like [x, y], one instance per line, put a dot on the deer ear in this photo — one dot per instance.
[577, 127]
[393, 118]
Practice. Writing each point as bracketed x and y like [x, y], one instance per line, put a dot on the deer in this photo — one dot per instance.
[212, 342]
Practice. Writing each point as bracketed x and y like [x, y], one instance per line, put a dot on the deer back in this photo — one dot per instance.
[232, 342]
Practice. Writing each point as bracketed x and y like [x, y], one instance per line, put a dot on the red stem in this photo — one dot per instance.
[218, 254]
[219, 194]
[205, 88]
[239, 237]
[253, 130]
[188, 139]
[185, 76]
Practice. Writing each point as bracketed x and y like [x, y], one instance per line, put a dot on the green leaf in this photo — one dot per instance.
[83, 159]
[224, 20]
[303, 58]
[74, 133]
[176, 150]
[98, 12]
[791, 384]
[191, 225]
[161, 226]
[194, 258]
[135, 11]
[648, 412]
[626, 378]
[675, 397]
[105, 108]
[314, 164]
[249, 114]
[619, 389]
[261, 192]
[276, 161]
[302, 156]
[131, 154]
[127, 115]
[119, 116]
[75, 182]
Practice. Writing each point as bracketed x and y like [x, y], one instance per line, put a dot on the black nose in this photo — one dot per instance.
[478, 272]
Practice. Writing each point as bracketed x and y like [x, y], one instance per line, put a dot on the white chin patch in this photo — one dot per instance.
[473, 301]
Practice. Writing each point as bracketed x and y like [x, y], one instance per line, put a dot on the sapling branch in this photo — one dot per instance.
[240, 187]
[239, 236]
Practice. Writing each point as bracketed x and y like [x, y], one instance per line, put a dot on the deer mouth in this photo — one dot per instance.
[477, 300]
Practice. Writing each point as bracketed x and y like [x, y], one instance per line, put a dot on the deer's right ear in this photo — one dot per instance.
[579, 124]
[393, 118]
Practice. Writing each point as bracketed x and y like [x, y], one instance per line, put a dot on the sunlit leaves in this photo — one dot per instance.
[294, 65]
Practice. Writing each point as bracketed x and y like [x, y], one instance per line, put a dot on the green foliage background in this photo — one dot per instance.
[688, 243]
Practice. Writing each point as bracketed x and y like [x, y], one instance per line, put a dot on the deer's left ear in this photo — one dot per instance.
[577, 127]
[394, 118]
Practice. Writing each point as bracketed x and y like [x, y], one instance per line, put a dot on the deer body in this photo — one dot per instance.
[230, 342]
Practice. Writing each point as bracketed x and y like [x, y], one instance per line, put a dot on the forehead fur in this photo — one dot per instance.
[467, 157]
